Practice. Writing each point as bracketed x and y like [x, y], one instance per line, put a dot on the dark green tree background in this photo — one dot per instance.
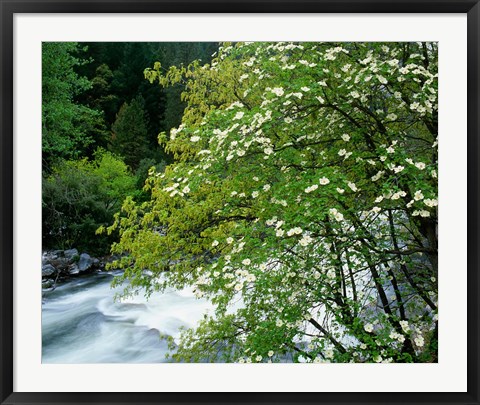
[95, 99]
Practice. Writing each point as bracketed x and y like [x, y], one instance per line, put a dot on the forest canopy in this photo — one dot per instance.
[100, 123]
[301, 200]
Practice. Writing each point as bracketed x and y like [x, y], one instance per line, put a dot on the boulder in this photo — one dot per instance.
[85, 262]
[61, 264]
[73, 270]
[70, 253]
[68, 263]
[47, 257]
[48, 270]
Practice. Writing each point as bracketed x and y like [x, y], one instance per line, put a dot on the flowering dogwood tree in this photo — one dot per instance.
[302, 203]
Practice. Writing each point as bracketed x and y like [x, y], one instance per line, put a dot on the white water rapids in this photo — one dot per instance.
[82, 324]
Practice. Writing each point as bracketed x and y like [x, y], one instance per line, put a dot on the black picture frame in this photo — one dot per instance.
[10, 7]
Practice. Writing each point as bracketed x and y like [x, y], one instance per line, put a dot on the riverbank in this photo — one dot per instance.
[63, 265]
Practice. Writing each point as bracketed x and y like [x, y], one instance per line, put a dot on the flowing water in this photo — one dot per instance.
[81, 323]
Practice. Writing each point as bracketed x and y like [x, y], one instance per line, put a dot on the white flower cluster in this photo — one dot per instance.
[239, 115]
[236, 104]
[294, 231]
[173, 190]
[377, 176]
[175, 131]
[331, 53]
[397, 336]
[398, 194]
[419, 341]
[306, 240]
[421, 213]
[376, 210]
[381, 79]
[336, 214]
[430, 202]
[405, 326]
[421, 109]
[311, 188]
[277, 91]
[418, 195]
[352, 186]
[271, 222]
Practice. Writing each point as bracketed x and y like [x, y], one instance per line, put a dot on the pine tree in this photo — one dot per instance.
[130, 134]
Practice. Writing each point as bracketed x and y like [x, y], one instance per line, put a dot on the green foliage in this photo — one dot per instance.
[68, 128]
[175, 54]
[130, 132]
[79, 196]
[94, 92]
[143, 170]
[115, 70]
[100, 96]
[305, 188]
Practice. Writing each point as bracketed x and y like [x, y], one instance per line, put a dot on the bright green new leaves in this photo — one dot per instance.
[81, 195]
[67, 127]
[303, 203]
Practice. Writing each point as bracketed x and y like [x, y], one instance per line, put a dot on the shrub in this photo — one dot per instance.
[79, 197]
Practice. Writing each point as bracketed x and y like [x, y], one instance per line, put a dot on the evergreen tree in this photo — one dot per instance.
[130, 136]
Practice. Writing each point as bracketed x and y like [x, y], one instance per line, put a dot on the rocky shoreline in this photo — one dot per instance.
[60, 265]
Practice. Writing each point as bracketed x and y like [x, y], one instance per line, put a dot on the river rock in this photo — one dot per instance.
[61, 264]
[48, 270]
[70, 253]
[66, 264]
[73, 270]
[85, 262]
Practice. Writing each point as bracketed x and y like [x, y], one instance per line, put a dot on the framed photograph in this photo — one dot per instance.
[239, 202]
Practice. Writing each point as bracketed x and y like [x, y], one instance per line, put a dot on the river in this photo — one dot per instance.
[81, 323]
